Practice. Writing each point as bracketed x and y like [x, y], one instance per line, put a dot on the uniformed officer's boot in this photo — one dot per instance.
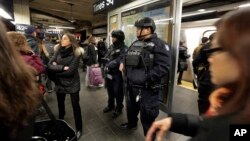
[127, 126]
[116, 113]
[107, 109]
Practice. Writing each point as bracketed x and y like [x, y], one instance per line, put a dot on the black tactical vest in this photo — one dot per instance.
[140, 55]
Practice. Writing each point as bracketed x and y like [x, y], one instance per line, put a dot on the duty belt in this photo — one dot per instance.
[148, 86]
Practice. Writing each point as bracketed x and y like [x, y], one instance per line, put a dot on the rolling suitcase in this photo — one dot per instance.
[95, 76]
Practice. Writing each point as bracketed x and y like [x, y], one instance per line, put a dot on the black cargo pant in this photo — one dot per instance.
[148, 106]
[204, 91]
[115, 91]
[75, 105]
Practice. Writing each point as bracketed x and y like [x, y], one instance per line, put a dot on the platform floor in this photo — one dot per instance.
[99, 126]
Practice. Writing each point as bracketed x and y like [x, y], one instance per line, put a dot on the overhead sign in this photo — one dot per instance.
[107, 5]
[21, 27]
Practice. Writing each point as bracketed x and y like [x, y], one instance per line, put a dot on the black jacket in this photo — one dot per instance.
[204, 78]
[183, 56]
[93, 55]
[66, 81]
[202, 129]
[114, 55]
[161, 64]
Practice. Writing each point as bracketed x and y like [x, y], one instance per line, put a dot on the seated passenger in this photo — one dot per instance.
[229, 68]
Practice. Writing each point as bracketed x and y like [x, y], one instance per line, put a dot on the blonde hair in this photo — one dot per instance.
[19, 41]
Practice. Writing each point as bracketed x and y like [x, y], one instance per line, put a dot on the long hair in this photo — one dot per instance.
[18, 88]
[19, 41]
[74, 45]
[233, 36]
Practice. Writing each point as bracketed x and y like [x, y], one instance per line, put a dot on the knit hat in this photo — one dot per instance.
[30, 29]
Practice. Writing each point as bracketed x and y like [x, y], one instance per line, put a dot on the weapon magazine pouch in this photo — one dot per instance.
[133, 60]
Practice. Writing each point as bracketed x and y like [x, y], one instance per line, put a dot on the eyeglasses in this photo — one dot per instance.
[210, 51]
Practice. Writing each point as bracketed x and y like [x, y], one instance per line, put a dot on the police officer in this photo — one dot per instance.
[114, 80]
[147, 61]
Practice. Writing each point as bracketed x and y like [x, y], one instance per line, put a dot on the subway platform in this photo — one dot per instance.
[99, 126]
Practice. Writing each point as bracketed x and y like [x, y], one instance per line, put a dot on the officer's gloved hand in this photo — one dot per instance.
[106, 69]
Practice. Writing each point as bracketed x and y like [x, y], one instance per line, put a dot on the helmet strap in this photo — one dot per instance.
[142, 36]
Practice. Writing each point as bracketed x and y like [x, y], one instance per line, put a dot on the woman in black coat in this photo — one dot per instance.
[64, 64]
[92, 54]
[229, 69]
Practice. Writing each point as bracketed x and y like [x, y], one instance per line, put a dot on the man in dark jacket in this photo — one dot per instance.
[146, 63]
[30, 34]
[113, 75]
[205, 86]
[102, 49]
[182, 61]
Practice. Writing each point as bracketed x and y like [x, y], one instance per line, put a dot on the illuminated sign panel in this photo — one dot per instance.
[107, 5]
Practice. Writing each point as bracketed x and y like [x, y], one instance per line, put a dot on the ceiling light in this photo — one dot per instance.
[200, 13]
[62, 27]
[162, 20]
[201, 10]
[4, 14]
[244, 5]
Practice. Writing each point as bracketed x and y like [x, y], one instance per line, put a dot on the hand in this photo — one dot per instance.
[161, 126]
[66, 68]
[121, 67]
[54, 63]
[106, 69]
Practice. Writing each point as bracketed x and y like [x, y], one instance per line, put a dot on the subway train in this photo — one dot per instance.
[191, 33]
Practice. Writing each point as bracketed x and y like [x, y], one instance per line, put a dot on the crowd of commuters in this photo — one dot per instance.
[136, 72]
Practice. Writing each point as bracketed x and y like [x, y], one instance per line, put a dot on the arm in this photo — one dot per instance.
[72, 68]
[162, 62]
[179, 123]
[116, 62]
[55, 68]
[185, 124]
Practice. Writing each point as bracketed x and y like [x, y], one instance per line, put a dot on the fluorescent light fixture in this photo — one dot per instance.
[200, 13]
[4, 14]
[244, 5]
[163, 20]
[62, 27]
[130, 25]
[201, 10]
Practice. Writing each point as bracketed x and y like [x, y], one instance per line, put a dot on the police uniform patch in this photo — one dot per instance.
[151, 44]
[167, 47]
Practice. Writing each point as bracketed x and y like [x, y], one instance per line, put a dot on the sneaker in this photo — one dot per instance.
[127, 126]
[107, 109]
[78, 134]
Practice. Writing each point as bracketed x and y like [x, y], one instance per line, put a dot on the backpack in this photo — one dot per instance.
[95, 76]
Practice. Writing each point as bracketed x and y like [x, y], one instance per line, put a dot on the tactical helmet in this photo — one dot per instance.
[146, 22]
[118, 34]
